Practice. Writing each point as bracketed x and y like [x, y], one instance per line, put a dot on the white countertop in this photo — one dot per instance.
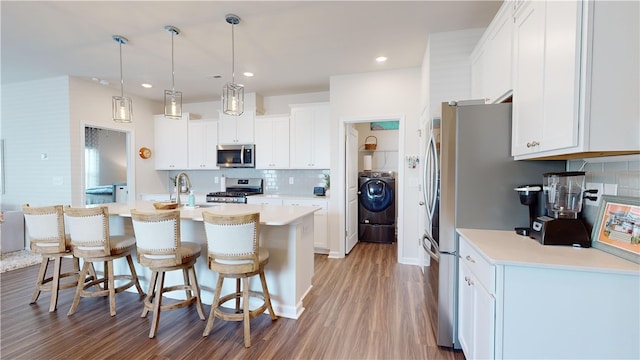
[269, 214]
[502, 247]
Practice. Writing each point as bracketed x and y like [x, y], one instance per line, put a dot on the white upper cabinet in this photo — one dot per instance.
[203, 139]
[171, 138]
[310, 136]
[571, 97]
[547, 64]
[240, 129]
[272, 142]
[497, 59]
[237, 129]
[491, 60]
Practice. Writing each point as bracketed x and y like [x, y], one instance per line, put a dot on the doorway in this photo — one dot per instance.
[106, 171]
[355, 156]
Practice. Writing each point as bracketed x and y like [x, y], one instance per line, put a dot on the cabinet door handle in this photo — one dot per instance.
[470, 259]
[532, 144]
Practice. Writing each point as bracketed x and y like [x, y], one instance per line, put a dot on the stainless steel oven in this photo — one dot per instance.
[236, 191]
[236, 156]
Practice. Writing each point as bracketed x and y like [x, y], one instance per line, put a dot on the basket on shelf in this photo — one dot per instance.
[368, 145]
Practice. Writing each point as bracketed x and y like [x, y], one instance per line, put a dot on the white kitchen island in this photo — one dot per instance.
[287, 231]
[521, 299]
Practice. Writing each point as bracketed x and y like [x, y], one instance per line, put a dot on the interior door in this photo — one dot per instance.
[351, 171]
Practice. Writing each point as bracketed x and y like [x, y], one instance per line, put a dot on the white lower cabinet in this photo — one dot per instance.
[512, 308]
[476, 304]
[259, 200]
[320, 241]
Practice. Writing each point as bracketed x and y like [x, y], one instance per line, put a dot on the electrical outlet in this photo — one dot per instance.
[290, 180]
[610, 189]
[216, 179]
[594, 186]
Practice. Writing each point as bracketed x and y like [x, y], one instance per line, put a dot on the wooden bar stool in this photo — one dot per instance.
[45, 228]
[234, 252]
[90, 239]
[160, 249]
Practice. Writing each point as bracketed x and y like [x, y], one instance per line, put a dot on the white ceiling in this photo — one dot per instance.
[291, 46]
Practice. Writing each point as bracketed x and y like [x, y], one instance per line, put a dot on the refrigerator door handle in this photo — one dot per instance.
[430, 176]
[435, 253]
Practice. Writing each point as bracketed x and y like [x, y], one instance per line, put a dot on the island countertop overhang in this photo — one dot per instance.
[276, 215]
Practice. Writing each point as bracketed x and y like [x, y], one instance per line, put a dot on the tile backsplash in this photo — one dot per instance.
[283, 182]
[622, 171]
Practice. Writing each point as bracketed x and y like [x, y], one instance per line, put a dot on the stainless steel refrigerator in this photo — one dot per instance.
[469, 181]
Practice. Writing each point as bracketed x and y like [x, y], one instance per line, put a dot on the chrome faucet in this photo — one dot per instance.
[179, 182]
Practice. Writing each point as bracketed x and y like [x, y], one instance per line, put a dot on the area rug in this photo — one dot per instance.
[18, 259]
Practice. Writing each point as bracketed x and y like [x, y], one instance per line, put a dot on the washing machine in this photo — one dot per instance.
[377, 206]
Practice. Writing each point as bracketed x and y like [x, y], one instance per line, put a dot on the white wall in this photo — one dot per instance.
[48, 117]
[35, 121]
[271, 104]
[450, 66]
[371, 95]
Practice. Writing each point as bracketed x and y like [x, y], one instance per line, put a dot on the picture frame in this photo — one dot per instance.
[616, 229]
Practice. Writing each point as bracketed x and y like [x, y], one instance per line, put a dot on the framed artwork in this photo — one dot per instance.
[617, 227]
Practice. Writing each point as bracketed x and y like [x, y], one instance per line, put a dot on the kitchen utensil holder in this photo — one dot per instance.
[370, 145]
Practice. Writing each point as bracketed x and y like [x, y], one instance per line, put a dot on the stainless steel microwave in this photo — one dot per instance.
[236, 156]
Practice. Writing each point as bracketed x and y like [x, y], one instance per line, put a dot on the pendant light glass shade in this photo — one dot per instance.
[232, 93]
[122, 107]
[172, 98]
[233, 99]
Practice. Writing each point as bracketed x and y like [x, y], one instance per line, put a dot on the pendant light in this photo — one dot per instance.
[122, 109]
[232, 93]
[172, 98]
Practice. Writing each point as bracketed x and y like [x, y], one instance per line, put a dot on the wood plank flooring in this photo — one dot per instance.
[366, 306]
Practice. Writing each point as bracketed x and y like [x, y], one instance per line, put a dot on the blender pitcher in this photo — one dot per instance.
[563, 192]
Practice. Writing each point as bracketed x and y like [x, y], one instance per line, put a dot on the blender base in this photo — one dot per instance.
[570, 232]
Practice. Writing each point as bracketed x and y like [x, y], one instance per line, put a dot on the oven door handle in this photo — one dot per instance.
[435, 253]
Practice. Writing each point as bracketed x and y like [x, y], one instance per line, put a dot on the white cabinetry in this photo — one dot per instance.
[547, 63]
[171, 138]
[310, 136]
[203, 139]
[320, 241]
[520, 299]
[237, 129]
[571, 97]
[476, 303]
[260, 200]
[492, 58]
[272, 142]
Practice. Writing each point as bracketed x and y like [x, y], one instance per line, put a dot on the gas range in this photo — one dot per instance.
[237, 191]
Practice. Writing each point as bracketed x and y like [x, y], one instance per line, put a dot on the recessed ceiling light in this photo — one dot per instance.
[147, 86]
[381, 59]
[104, 82]
[247, 74]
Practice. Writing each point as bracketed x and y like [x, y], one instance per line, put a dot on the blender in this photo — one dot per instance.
[563, 193]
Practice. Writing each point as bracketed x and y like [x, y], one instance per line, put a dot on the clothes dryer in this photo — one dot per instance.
[377, 206]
